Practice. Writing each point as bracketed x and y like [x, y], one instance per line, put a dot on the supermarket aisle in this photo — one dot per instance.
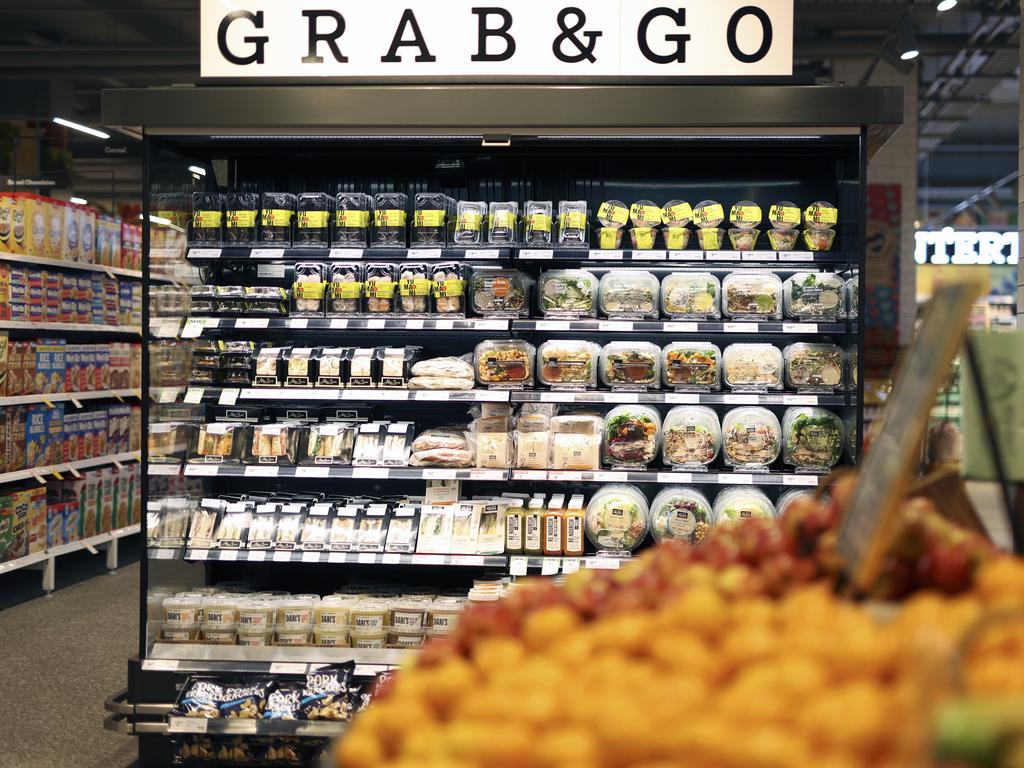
[61, 657]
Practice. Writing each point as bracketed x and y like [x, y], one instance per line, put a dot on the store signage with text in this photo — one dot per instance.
[948, 246]
[497, 39]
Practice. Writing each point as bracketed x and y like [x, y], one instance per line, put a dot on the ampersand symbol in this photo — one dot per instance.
[585, 49]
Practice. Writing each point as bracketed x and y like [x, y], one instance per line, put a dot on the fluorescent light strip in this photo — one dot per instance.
[79, 201]
[80, 127]
[197, 169]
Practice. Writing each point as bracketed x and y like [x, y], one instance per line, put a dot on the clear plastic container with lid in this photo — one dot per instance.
[691, 295]
[755, 367]
[813, 366]
[814, 296]
[326, 637]
[292, 637]
[255, 638]
[676, 213]
[182, 610]
[851, 368]
[707, 215]
[631, 365]
[220, 611]
[754, 295]
[567, 363]
[819, 239]
[745, 217]
[369, 640]
[631, 434]
[783, 239]
[576, 442]
[218, 635]
[691, 437]
[691, 365]
[408, 616]
[504, 362]
[680, 513]
[368, 617]
[784, 215]
[786, 499]
[821, 215]
[256, 614]
[740, 502]
[397, 638]
[751, 437]
[443, 615]
[179, 633]
[568, 293]
[613, 214]
[332, 612]
[814, 438]
[616, 518]
[499, 293]
[852, 293]
[628, 293]
[294, 613]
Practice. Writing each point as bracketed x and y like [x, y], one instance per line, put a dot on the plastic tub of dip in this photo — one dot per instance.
[369, 640]
[409, 615]
[292, 637]
[399, 639]
[332, 612]
[255, 615]
[220, 612]
[182, 611]
[219, 636]
[368, 617]
[444, 615]
[330, 638]
[294, 613]
[255, 638]
[179, 633]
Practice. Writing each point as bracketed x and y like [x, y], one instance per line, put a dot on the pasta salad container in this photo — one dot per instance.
[680, 513]
[627, 293]
[695, 365]
[691, 437]
[751, 438]
[814, 439]
[691, 295]
[616, 519]
[752, 367]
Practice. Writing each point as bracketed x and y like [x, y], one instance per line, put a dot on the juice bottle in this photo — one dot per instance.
[572, 527]
[514, 527]
[533, 538]
[553, 526]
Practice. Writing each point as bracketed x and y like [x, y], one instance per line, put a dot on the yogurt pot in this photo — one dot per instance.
[408, 615]
[332, 613]
[292, 637]
[256, 615]
[220, 612]
[181, 611]
[219, 636]
[255, 638]
[330, 638]
[179, 633]
[399, 639]
[294, 613]
[368, 617]
[369, 640]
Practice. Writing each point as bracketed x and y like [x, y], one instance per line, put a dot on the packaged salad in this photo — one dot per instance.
[352, 212]
[568, 293]
[469, 223]
[630, 364]
[691, 294]
[752, 367]
[692, 436]
[751, 437]
[680, 513]
[785, 500]
[625, 293]
[814, 438]
[691, 364]
[745, 217]
[504, 362]
[784, 215]
[537, 217]
[819, 239]
[616, 518]
[852, 293]
[631, 435]
[813, 295]
[813, 366]
[613, 214]
[754, 295]
[499, 292]
[783, 239]
[568, 363]
[739, 503]
[821, 215]
[572, 223]
[676, 213]
[345, 289]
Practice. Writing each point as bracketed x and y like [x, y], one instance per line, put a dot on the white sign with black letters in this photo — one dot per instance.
[498, 39]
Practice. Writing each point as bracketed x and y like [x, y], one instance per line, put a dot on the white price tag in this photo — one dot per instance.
[686, 255]
[739, 399]
[424, 253]
[413, 325]
[256, 556]
[201, 470]
[228, 555]
[391, 559]
[529, 474]
[252, 322]
[75, 402]
[337, 557]
[677, 327]
[282, 557]
[739, 327]
[552, 325]
[557, 397]
[168, 329]
[298, 323]
[339, 324]
[565, 476]
[570, 565]
[370, 472]
[614, 325]
[228, 396]
[187, 725]
[311, 557]
[487, 474]
[811, 480]
[312, 471]
[609, 255]
[428, 395]
[682, 397]
[438, 474]
[649, 255]
[427, 560]
[722, 255]
[482, 253]
[198, 554]
[601, 563]
[517, 565]
[621, 397]
[345, 253]
[471, 560]
[193, 395]
[160, 665]
[610, 477]
[490, 325]
[73, 471]
[287, 668]
[674, 477]
[194, 328]
[204, 253]
[376, 324]
[549, 566]
[535, 254]
[759, 256]
[799, 400]
[167, 395]
[266, 253]
[736, 478]
[799, 327]
[272, 271]
[796, 256]
[444, 325]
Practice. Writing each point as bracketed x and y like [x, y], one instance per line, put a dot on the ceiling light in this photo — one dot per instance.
[197, 169]
[907, 39]
[945, 5]
[155, 219]
[80, 127]
[79, 201]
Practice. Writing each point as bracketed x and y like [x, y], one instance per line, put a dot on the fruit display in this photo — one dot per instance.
[631, 435]
[680, 513]
[813, 295]
[616, 518]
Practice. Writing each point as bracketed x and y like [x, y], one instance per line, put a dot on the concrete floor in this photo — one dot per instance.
[60, 657]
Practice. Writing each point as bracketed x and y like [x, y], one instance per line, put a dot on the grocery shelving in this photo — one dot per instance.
[15, 258]
[47, 558]
[58, 470]
[179, 657]
[244, 727]
[681, 398]
[356, 473]
[71, 397]
[669, 477]
[358, 558]
[24, 325]
[683, 327]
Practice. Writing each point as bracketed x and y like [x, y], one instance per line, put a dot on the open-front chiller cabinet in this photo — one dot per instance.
[425, 341]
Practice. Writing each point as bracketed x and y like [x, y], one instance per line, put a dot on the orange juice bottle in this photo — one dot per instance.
[553, 525]
[572, 527]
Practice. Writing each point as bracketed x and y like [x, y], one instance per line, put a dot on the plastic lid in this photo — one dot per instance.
[708, 214]
[628, 292]
[632, 434]
[690, 293]
[691, 435]
[681, 513]
[784, 215]
[750, 437]
[820, 215]
[676, 213]
[616, 518]
[484, 595]
[645, 213]
[746, 214]
[739, 502]
[613, 213]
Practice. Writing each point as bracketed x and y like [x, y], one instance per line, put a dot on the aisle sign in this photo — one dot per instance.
[498, 39]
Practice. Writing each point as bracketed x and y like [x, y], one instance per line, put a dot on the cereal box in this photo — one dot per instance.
[71, 436]
[106, 500]
[43, 366]
[35, 435]
[135, 366]
[135, 429]
[83, 300]
[49, 375]
[99, 426]
[7, 524]
[72, 246]
[18, 223]
[55, 229]
[72, 522]
[134, 494]
[4, 358]
[6, 206]
[16, 437]
[5, 291]
[72, 370]
[55, 434]
[54, 525]
[88, 367]
[37, 523]
[102, 370]
[87, 235]
[35, 225]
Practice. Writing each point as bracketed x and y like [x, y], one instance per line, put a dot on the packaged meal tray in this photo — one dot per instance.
[708, 214]
[631, 435]
[352, 211]
[740, 502]
[676, 238]
[430, 219]
[504, 361]
[414, 287]
[645, 214]
[270, 370]
[379, 283]
[616, 518]
[812, 366]
[207, 218]
[313, 220]
[389, 218]
[680, 513]
[242, 210]
[609, 238]
[567, 363]
[711, 238]
[499, 292]
[643, 238]
[814, 438]
[691, 364]
[820, 215]
[631, 364]
[218, 443]
[328, 444]
[813, 295]
[265, 301]
[752, 366]
[469, 223]
[628, 293]
[168, 442]
[852, 292]
[448, 288]
[344, 289]
[332, 366]
[851, 367]
[568, 293]
[575, 441]
[743, 239]
[443, 447]
[752, 295]
[272, 444]
[691, 295]
[572, 223]
[691, 436]
[308, 289]
[751, 437]
[537, 220]
[277, 211]
[502, 223]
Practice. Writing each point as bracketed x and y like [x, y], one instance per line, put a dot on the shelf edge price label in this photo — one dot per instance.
[529, 474]
[549, 566]
[204, 253]
[438, 474]
[337, 557]
[287, 668]
[799, 256]
[601, 563]
[677, 327]
[649, 256]
[736, 478]
[298, 323]
[739, 327]
[391, 559]
[311, 557]
[339, 324]
[537, 254]
[370, 472]
[256, 556]
[675, 477]
[282, 557]
[345, 253]
[312, 471]
[570, 565]
[187, 725]
[682, 397]
[722, 255]
[482, 253]
[799, 400]
[444, 325]
[610, 255]
[228, 396]
[517, 565]
[160, 665]
[266, 253]
[193, 395]
[686, 255]
[228, 555]
[811, 480]
[552, 325]
[471, 560]
[194, 328]
[739, 399]
[758, 256]
[424, 253]
[413, 325]
[799, 327]
[252, 322]
[610, 477]
[614, 325]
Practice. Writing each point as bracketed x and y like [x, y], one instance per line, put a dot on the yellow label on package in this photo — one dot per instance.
[444, 288]
[745, 214]
[676, 238]
[503, 220]
[206, 218]
[469, 222]
[710, 239]
[346, 290]
[417, 286]
[569, 220]
[643, 238]
[707, 213]
[821, 215]
[608, 238]
[541, 222]
[389, 218]
[352, 219]
[428, 218]
[276, 217]
[615, 213]
[313, 219]
[681, 212]
[645, 215]
[238, 219]
[308, 290]
[784, 214]
[379, 289]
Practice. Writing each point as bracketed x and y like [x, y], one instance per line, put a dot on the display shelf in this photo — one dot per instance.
[781, 258]
[93, 541]
[350, 324]
[359, 558]
[24, 562]
[72, 397]
[163, 470]
[165, 553]
[191, 657]
[667, 476]
[24, 325]
[676, 398]
[56, 470]
[682, 326]
[16, 258]
[245, 727]
[48, 558]
[366, 395]
[366, 473]
[203, 254]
